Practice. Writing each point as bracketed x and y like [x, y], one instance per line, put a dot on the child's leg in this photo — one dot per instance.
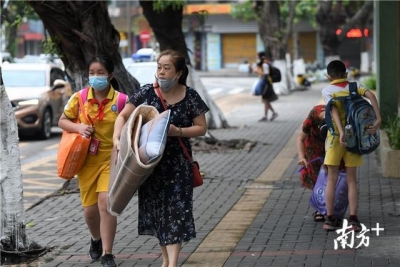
[352, 193]
[330, 189]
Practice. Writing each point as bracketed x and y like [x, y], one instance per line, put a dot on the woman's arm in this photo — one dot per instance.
[199, 128]
[300, 149]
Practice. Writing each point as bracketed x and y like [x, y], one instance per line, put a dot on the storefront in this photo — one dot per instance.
[218, 40]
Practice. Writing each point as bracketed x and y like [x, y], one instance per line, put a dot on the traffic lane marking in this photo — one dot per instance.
[25, 167]
[231, 102]
[237, 90]
[36, 182]
[215, 91]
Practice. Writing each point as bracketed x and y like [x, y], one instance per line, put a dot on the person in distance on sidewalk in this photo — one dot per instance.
[94, 176]
[268, 94]
[336, 146]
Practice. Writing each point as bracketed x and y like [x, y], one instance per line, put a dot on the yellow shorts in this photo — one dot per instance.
[92, 180]
[335, 153]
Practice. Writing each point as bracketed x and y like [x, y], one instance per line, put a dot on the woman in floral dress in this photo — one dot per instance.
[310, 147]
[166, 197]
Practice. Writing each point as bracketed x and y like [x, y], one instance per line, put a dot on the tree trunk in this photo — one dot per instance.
[215, 117]
[80, 31]
[13, 235]
[167, 27]
[268, 19]
[329, 20]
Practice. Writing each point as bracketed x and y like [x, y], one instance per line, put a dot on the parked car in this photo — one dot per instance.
[38, 92]
[6, 57]
[143, 72]
[144, 54]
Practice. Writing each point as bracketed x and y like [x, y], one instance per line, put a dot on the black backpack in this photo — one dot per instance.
[359, 116]
[275, 74]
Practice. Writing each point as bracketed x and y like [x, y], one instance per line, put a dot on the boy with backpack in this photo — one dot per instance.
[336, 143]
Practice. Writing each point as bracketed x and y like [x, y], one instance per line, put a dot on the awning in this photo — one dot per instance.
[33, 36]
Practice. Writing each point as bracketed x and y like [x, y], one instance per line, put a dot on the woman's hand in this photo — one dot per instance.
[174, 131]
[303, 162]
[116, 147]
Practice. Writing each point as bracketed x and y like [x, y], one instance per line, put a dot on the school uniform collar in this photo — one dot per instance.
[110, 94]
[337, 81]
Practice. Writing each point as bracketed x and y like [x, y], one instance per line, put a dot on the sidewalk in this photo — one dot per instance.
[251, 210]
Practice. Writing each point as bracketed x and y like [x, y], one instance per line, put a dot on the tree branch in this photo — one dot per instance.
[361, 15]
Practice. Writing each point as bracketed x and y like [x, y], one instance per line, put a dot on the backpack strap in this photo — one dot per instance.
[84, 93]
[122, 99]
[353, 89]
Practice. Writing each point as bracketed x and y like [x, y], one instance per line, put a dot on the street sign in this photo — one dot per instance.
[145, 36]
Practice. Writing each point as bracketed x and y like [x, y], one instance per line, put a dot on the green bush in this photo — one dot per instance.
[370, 82]
[392, 127]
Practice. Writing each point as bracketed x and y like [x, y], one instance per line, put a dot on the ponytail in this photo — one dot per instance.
[114, 83]
[185, 72]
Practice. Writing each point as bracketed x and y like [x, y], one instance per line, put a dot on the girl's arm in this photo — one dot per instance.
[67, 125]
[120, 122]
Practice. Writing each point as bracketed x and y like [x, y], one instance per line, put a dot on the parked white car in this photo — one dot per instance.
[143, 72]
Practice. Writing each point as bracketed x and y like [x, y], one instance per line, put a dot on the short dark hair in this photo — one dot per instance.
[336, 69]
[261, 55]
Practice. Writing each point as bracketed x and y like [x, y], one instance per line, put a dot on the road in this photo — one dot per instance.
[38, 156]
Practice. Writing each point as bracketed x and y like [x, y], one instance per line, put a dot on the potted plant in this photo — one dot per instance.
[390, 146]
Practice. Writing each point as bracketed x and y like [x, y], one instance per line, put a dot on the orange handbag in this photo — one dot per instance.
[72, 151]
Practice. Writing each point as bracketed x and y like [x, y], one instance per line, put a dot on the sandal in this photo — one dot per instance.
[318, 217]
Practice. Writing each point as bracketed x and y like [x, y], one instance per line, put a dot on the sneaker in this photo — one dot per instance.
[355, 225]
[108, 260]
[263, 119]
[96, 249]
[331, 224]
[274, 116]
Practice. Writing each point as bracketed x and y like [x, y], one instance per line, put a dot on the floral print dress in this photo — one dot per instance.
[166, 197]
[314, 147]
